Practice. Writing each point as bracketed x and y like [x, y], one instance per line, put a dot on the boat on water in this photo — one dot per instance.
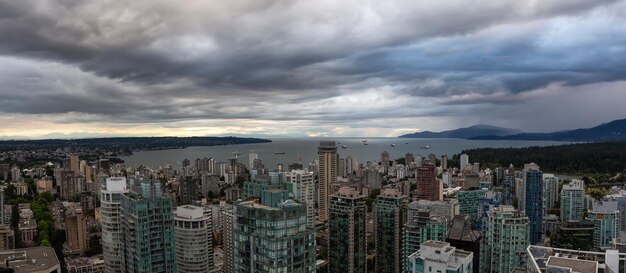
[364, 143]
[425, 147]
[279, 153]
[344, 146]
[393, 145]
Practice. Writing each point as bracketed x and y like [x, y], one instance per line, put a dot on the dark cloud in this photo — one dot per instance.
[321, 62]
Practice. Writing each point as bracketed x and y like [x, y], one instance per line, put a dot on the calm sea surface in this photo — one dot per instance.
[306, 150]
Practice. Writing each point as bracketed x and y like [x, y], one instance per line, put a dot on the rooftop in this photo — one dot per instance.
[34, 259]
[576, 265]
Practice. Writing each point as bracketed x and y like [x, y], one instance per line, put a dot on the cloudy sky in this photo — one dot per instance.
[75, 68]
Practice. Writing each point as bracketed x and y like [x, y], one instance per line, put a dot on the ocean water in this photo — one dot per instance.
[305, 150]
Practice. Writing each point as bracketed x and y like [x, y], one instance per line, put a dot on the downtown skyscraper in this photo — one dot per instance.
[148, 226]
[534, 202]
[428, 186]
[506, 234]
[327, 176]
[271, 235]
[346, 227]
[112, 226]
[390, 218]
[194, 248]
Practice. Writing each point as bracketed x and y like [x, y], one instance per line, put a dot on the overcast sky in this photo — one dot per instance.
[75, 68]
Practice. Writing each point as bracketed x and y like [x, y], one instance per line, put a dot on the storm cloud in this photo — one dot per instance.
[353, 67]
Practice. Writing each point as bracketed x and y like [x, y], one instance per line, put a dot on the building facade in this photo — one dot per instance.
[148, 228]
[428, 186]
[506, 234]
[302, 184]
[271, 235]
[111, 221]
[346, 232]
[194, 250]
[327, 176]
[572, 206]
[390, 218]
[534, 204]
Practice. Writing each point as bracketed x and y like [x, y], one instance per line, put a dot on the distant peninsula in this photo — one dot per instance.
[125, 145]
[467, 132]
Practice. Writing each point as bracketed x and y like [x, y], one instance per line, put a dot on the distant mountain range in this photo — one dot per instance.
[467, 132]
[614, 130]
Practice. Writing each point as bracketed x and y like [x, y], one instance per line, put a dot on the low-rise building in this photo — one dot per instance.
[31, 260]
[436, 256]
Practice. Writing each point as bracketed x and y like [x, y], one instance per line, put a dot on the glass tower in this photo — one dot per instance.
[148, 225]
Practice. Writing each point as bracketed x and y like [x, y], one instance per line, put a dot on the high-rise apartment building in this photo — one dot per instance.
[438, 256]
[271, 235]
[508, 193]
[534, 204]
[74, 164]
[572, 206]
[346, 232]
[76, 229]
[390, 218]
[384, 159]
[428, 186]
[148, 227]
[327, 176]
[422, 226]
[550, 192]
[506, 234]
[605, 216]
[194, 248]
[229, 218]
[111, 221]
[464, 162]
[302, 184]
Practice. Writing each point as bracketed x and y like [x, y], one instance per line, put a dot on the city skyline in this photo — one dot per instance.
[73, 69]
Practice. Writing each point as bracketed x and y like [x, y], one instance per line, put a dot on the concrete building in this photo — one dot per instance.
[84, 265]
[148, 228]
[346, 232]
[447, 208]
[327, 176]
[302, 184]
[541, 259]
[228, 226]
[111, 221]
[437, 256]
[572, 207]
[506, 234]
[390, 218]
[194, 248]
[7, 237]
[428, 186]
[76, 229]
[271, 235]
